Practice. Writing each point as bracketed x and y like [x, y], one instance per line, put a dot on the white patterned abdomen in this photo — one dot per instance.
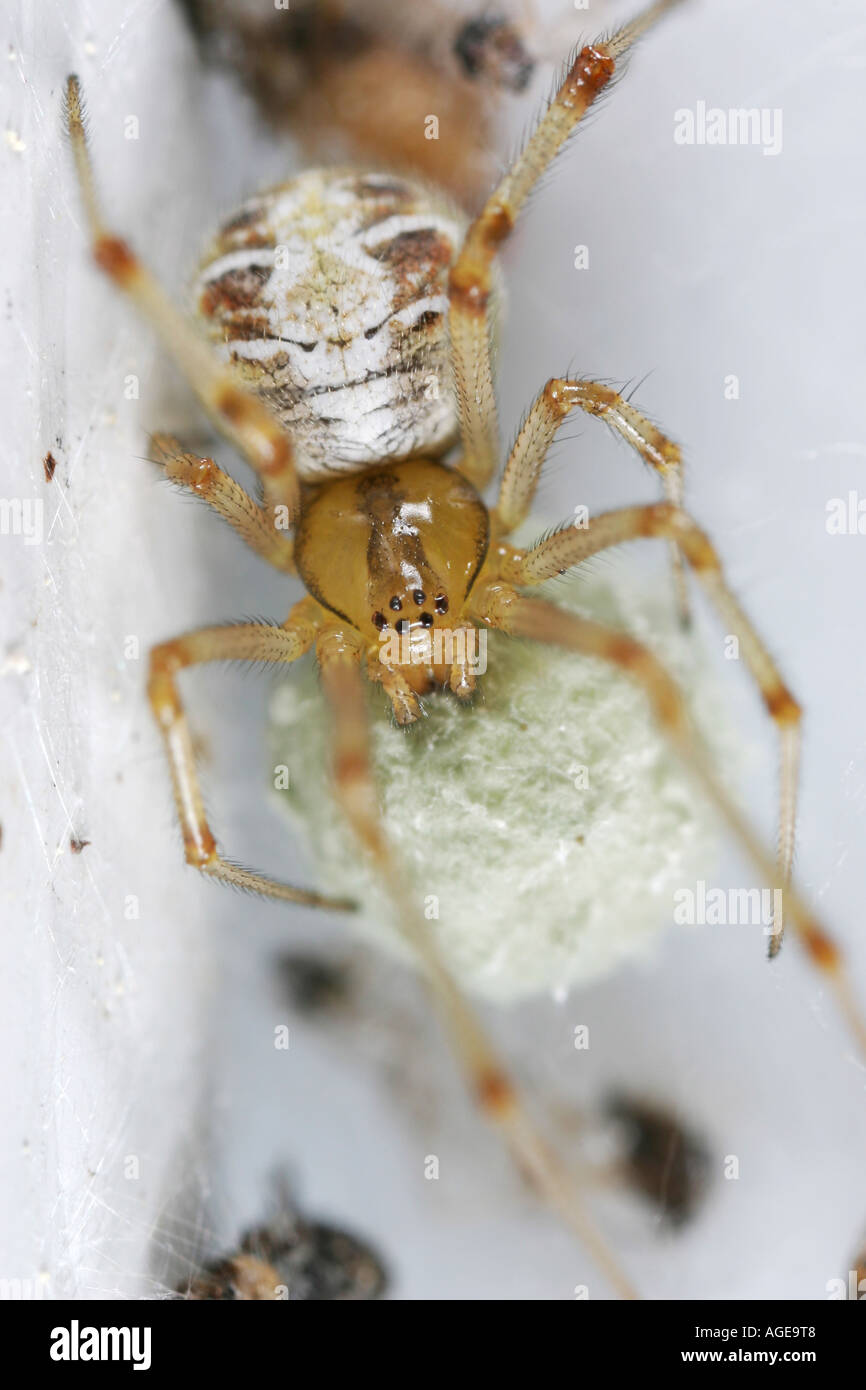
[329, 294]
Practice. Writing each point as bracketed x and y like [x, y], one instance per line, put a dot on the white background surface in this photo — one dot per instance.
[704, 262]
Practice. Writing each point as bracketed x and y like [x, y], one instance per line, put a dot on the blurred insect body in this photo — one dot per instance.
[663, 1160]
[295, 1260]
[415, 92]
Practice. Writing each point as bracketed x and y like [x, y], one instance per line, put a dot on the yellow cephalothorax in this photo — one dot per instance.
[395, 551]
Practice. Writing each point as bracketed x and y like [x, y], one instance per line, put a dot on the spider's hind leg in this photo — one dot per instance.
[237, 412]
[471, 282]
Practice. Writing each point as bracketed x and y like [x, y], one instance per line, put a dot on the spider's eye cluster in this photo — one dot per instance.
[426, 619]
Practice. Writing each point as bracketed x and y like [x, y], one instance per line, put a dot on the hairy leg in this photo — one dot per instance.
[340, 657]
[498, 605]
[208, 481]
[243, 642]
[471, 280]
[560, 396]
[573, 545]
[240, 415]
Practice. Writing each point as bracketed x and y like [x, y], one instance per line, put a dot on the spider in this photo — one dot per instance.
[348, 313]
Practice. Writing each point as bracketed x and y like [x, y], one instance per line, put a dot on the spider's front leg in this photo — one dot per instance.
[574, 544]
[499, 605]
[243, 642]
[340, 654]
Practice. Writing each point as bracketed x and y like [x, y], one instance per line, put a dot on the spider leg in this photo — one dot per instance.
[238, 413]
[573, 545]
[471, 280]
[208, 481]
[340, 654]
[498, 605]
[532, 445]
[242, 642]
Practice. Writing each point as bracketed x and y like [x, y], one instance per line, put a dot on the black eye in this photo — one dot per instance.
[426, 619]
[419, 596]
[403, 625]
[396, 603]
[441, 604]
[379, 620]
